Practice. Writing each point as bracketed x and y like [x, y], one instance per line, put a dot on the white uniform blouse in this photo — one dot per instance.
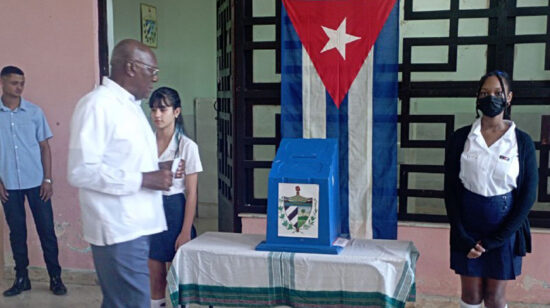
[490, 171]
[189, 152]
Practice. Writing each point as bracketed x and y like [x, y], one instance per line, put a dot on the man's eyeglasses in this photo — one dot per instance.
[153, 70]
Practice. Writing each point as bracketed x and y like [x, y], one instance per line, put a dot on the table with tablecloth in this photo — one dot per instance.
[224, 269]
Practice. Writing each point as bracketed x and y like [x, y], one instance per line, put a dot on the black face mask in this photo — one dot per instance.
[491, 105]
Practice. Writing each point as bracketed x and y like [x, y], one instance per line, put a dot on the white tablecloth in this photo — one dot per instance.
[223, 269]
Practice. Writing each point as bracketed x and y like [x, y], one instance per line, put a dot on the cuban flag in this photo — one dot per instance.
[339, 64]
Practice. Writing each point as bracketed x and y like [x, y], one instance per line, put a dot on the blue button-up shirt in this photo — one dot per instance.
[21, 130]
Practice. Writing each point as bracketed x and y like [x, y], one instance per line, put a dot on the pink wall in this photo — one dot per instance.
[55, 43]
[253, 224]
[433, 276]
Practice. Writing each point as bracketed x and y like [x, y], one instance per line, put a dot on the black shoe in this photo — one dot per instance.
[19, 285]
[57, 286]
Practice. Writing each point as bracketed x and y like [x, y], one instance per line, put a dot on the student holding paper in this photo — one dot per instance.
[180, 201]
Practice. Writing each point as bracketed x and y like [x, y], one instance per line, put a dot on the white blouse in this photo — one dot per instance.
[490, 171]
[189, 152]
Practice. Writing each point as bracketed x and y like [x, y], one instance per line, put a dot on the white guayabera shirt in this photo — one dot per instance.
[111, 145]
[490, 171]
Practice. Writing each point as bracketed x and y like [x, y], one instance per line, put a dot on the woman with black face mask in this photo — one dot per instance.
[491, 180]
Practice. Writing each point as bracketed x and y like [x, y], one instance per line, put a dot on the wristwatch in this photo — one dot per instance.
[48, 181]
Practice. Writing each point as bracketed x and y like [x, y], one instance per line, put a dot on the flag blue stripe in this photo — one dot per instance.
[384, 147]
[344, 166]
[291, 80]
[337, 127]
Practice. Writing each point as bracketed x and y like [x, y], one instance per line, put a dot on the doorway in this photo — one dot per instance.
[186, 54]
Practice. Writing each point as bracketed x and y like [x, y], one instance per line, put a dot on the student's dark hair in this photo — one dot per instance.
[504, 80]
[165, 96]
[11, 70]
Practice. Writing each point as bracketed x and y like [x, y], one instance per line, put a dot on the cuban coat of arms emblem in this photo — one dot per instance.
[298, 210]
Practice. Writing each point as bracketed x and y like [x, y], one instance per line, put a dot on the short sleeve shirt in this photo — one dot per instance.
[189, 152]
[21, 131]
[490, 171]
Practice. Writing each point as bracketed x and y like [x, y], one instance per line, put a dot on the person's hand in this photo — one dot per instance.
[165, 165]
[181, 169]
[183, 237]
[157, 180]
[46, 191]
[476, 251]
[3, 193]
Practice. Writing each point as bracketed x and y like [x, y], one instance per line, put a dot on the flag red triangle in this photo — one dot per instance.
[338, 36]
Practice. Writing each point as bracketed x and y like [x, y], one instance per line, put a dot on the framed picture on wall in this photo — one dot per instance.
[149, 25]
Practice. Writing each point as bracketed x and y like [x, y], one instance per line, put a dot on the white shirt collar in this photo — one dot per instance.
[476, 128]
[170, 150]
[119, 91]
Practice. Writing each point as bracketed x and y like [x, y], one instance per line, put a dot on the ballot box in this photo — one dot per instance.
[303, 198]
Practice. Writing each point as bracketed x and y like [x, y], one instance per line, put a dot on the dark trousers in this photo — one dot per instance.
[14, 210]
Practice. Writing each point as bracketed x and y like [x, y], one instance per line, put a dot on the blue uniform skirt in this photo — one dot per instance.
[481, 216]
[162, 244]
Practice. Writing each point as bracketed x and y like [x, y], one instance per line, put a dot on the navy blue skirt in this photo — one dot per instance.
[482, 216]
[162, 244]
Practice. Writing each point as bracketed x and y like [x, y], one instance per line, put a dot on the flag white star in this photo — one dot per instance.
[338, 39]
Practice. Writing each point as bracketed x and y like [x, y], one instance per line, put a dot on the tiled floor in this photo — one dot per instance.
[40, 296]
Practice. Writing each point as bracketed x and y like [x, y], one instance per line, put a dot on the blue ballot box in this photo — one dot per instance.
[303, 212]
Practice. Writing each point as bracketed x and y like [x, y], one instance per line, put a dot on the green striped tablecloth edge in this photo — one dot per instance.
[254, 297]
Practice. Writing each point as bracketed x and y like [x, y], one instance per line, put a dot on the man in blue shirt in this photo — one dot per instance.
[25, 171]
